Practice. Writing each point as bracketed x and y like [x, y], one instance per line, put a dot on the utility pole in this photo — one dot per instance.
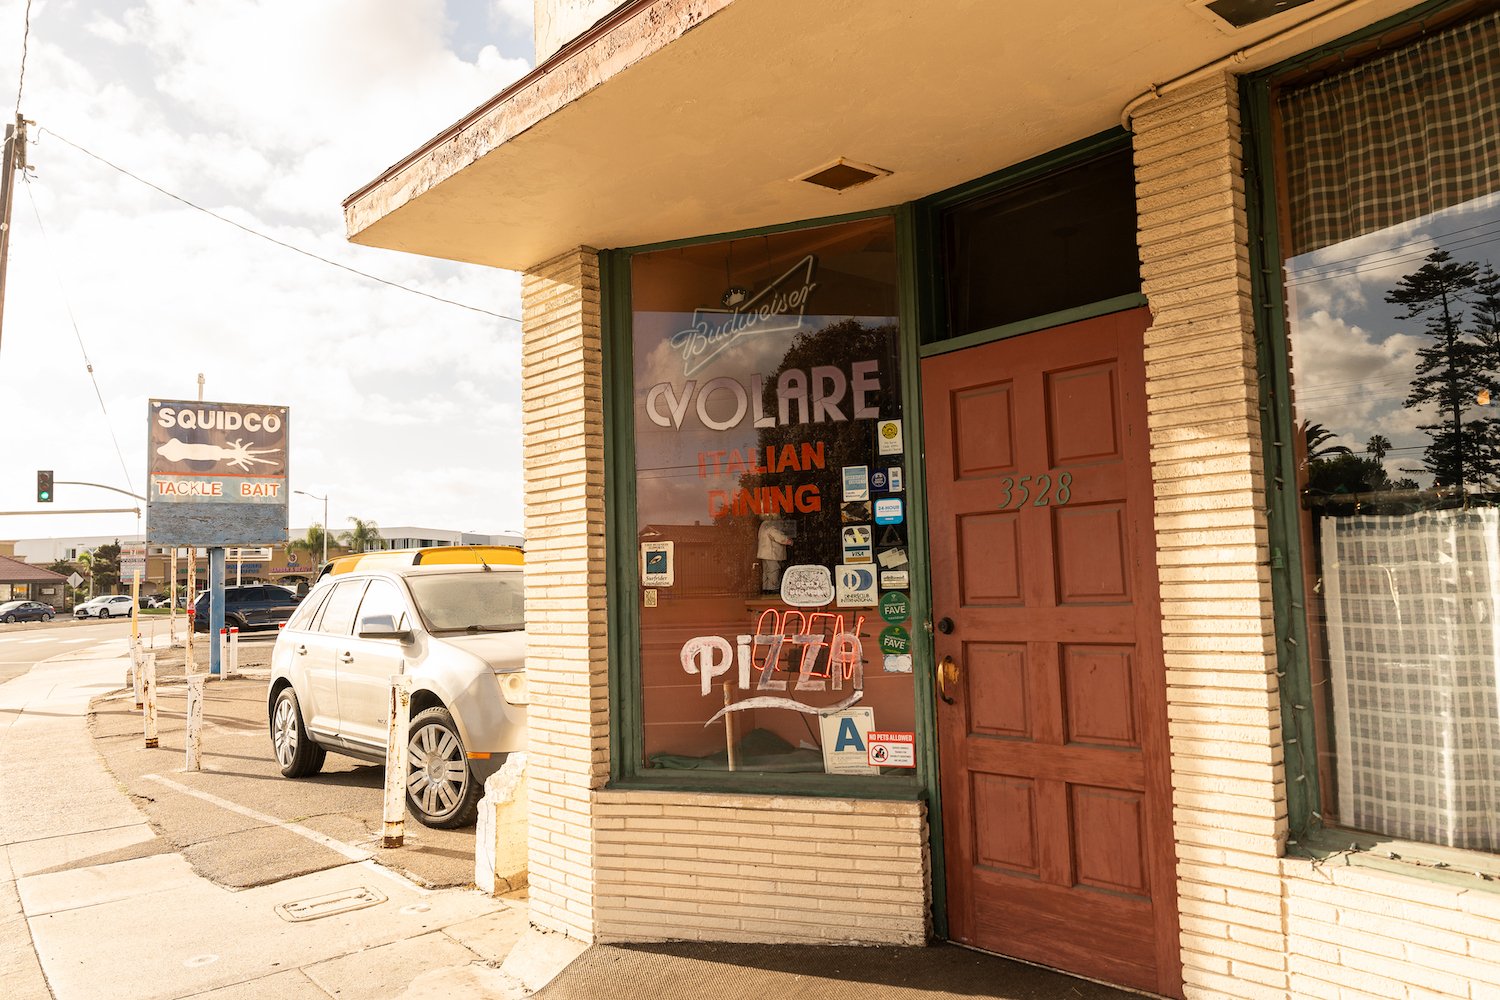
[14, 160]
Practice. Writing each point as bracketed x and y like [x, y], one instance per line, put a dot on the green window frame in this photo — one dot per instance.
[1308, 836]
[624, 627]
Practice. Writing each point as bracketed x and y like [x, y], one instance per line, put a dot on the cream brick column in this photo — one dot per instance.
[562, 405]
[1203, 397]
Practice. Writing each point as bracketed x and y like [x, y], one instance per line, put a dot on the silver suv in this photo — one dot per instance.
[458, 630]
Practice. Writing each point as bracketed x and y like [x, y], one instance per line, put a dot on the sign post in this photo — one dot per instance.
[217, 477]
[215, 608]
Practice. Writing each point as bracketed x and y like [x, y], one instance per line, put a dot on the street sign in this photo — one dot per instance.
[217, 473]
[132, 561]
[74, 580]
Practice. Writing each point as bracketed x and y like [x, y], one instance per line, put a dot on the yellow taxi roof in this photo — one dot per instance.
[440, 555]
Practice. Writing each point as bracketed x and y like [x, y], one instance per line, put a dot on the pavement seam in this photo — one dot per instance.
[75, 833]
[337, 846]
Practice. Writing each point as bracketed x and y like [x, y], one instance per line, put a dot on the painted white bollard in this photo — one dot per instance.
[189, 657]
[398, 733]
[194, 760]
[148, 693]
[135, 673]
[234, 650]
[223, 654]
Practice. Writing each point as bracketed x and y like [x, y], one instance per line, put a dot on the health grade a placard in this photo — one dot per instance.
[891, 749]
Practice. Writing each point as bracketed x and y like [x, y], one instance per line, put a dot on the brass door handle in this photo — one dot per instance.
[947, 673]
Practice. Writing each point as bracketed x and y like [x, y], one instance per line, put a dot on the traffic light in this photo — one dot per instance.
[44, 486]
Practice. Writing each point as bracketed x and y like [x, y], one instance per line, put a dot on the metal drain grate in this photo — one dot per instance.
[326, 906]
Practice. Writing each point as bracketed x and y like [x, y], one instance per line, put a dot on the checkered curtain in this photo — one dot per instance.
[1413, 604]
[1394, 138]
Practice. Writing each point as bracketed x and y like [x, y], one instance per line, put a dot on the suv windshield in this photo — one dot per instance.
[474, 602]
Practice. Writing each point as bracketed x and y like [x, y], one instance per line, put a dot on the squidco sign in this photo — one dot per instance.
[217, 473]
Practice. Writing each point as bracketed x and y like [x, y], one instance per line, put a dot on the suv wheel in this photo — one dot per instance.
[440, 788]
[103, 613]
[297, 754]
[9, 619]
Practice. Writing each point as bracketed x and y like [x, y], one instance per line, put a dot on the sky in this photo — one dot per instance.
[1354, 357]
[403, 410]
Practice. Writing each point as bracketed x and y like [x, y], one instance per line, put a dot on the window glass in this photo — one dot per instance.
[470, 602]
[1064, 240]
[383, 598]
[338, 612]
[771, 499]
[304, 614]
[1393, 306]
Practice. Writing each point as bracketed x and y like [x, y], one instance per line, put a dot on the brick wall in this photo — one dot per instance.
[1218, 636]
[1254, 925]
[759, 868]
[1358, 933]
[563, 428]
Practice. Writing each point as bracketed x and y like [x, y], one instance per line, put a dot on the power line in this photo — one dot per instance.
[25, 44]
[1406, 257]
[1326, 265]
[87, 364]
[271, 239]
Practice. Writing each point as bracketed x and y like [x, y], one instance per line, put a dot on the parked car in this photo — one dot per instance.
[458, 630]
[26, 611]
[108, 606]
[249, 606]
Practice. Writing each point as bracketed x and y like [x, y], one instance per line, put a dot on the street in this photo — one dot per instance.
[21, 646]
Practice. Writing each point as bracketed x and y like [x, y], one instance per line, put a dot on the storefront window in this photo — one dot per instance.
[771, 500]
[1390, 181]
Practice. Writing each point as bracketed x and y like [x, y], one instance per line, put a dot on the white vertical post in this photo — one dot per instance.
[398, 733]
[172, 600]
[148, 692]
[223, 654]
[234, 650]
[194, 723]
[192, 584]
[135, 673]
[135, 607]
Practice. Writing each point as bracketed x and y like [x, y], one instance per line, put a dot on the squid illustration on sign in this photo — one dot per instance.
[237, 452]
[711, 656]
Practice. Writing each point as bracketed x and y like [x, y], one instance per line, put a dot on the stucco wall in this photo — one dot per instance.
[558, 22]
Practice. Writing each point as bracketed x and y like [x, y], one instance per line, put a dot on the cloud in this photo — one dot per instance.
[404, 410]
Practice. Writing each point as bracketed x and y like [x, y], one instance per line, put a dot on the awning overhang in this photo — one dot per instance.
[678, 118]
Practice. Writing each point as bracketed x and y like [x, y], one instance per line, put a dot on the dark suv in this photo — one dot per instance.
[249, 607]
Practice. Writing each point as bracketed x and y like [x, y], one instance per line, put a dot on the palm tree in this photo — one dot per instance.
[86, 563]
[313, 544]
[1378, 447]
[365, 535]
[1317, 437]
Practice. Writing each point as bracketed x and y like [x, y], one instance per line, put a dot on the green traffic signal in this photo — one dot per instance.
[44, 486]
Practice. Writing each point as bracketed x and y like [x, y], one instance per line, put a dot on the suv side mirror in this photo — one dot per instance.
[382, 627]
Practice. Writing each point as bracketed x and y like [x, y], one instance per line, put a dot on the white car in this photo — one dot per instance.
[110, 606]
[457, 630]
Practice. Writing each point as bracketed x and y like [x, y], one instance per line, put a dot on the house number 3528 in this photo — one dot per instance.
[1039, 491]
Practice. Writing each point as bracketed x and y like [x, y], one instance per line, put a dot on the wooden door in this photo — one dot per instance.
[1054, 759]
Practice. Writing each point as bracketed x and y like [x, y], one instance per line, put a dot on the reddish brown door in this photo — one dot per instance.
[1055, 774]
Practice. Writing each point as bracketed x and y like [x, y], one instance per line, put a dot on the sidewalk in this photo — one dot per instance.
[94, 903]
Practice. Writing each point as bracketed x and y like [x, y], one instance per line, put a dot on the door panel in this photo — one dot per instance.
[1054, 770]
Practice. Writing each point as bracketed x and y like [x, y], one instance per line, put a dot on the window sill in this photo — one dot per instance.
[897, 788]
[1446, 865]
